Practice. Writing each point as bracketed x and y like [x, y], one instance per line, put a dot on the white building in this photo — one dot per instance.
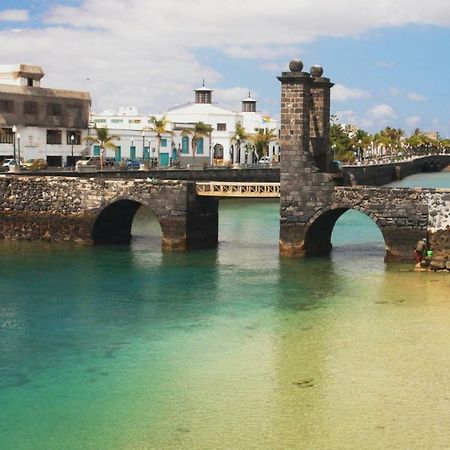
[137, 141]
[37, 122]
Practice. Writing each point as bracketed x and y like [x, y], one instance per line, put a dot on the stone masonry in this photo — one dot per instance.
[310, 202]
[93, 210]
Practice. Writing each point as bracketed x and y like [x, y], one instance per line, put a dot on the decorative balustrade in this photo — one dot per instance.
[231, 189]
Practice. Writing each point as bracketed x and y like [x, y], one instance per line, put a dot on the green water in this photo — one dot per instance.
[130, 348]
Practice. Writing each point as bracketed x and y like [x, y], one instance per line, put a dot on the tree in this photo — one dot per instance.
[104, 140]
[262, 139]
[159, 126]
[340, 143]
[198, 131]
[239, 136]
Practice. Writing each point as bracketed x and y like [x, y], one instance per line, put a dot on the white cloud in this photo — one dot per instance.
[231, 98]
[382, 112]
[14, 15]
[413, 121]
[145, 53]
[273, 67]
[342, 93]
[415, 97]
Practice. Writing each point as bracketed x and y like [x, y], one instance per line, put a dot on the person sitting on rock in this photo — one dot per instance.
[421, 248]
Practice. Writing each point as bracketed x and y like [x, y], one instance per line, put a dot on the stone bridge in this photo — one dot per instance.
[93, 210]
[311, 202]
[101, 210]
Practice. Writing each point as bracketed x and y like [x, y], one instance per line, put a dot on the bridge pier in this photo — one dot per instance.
[304, 187]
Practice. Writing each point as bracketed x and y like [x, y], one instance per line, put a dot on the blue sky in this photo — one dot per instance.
[388, 60]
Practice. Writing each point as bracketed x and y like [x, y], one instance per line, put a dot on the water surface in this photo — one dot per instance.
[130, 348]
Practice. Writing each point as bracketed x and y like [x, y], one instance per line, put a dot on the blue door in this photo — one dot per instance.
[200, 146]
[164, 159]
[146, 155]
[132, 152]
[96, 150]
[118, 154]
[185, 145]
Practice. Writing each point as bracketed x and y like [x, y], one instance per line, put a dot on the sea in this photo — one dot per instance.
[128, 347]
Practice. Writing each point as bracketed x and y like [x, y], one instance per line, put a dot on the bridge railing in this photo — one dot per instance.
[238, 189]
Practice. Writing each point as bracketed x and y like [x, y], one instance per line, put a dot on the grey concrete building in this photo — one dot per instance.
[38, 122]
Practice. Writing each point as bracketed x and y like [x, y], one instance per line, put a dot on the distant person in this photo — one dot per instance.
[420, 249]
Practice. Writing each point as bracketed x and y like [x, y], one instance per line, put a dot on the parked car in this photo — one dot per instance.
[35, 164]
[133, 164]
[7, 163]
[264, 160]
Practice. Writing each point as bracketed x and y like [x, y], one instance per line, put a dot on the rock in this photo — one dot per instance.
[438, 264]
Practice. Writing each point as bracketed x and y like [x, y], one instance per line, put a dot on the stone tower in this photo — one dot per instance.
[305, 182]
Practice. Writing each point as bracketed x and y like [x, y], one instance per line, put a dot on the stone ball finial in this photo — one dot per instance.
[316, 71]
[295, 65]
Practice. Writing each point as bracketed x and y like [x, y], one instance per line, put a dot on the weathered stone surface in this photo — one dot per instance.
[102, 210]
[311, 203]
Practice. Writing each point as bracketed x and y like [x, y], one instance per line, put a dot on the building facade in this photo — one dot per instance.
[38, 122]
[220, 147]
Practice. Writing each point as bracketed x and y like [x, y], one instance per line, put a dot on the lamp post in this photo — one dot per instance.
[72, 138]
[18, 149]
[238, 149]
[14, 130]
[143, 145]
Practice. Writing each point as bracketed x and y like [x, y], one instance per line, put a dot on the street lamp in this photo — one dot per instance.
[14, 130]
[238, 149]
[18, 148]
[72, 138]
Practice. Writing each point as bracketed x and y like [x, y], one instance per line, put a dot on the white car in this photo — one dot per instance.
[264, 160]
[8, 162]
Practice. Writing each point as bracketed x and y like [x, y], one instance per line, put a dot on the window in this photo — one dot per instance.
[54, 109]
[116, 120]
[6, 136]
[30, 108]
[77, 137]
[134, 121]
[53, 137]
[164, 142]
[221, 127]
[29, 81]
[6, 106]
[100, 120]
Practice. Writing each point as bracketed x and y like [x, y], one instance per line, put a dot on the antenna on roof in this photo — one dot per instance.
[203, 82]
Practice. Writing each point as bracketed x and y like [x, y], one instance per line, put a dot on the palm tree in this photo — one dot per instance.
[104, 140]
[262, 139]
[198, 131]
[159, 126]
[240, 135]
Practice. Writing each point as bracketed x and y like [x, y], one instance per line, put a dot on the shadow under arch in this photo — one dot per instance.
[320, 228]
[114, 222]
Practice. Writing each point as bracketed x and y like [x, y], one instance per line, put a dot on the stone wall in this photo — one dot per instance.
[74, 209]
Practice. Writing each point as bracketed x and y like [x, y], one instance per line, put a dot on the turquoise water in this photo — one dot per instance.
[130, 348]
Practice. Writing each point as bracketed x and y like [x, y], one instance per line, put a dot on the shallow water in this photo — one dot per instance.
[130, 348]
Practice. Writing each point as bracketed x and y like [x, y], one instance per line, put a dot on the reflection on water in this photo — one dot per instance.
[126, 347]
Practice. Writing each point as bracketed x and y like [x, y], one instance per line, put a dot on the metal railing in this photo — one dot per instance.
[236, 189]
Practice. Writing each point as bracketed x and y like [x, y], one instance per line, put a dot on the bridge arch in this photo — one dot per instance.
[113, 222]
[319, 228]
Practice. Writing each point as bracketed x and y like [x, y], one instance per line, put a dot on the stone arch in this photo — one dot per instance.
[319, 228]
[113, 221]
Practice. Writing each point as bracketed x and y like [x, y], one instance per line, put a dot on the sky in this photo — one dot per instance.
[389, 59]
